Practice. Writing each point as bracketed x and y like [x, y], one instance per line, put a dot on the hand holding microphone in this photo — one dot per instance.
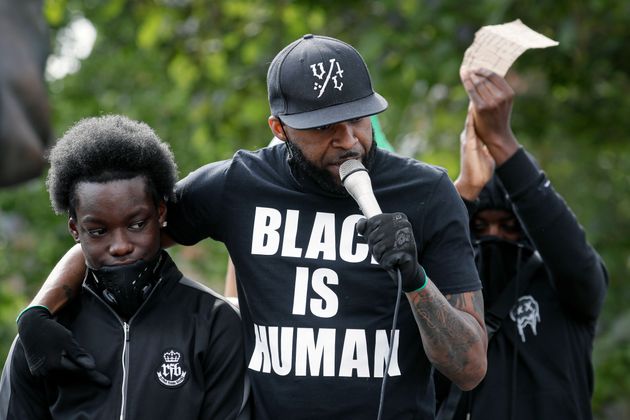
[389, 235]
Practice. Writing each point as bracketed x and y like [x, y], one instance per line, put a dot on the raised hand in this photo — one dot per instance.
[491, 99]
[476, 163]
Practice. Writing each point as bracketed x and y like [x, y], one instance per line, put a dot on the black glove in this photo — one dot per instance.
[49, 346]
[391, 241]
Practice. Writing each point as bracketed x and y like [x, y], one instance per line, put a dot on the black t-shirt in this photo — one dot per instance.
[316, 307]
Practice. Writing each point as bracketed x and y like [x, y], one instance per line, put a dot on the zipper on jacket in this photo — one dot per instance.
[125, 352]
[125, 365]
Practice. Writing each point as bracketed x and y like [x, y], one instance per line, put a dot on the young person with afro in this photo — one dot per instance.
[170, 346]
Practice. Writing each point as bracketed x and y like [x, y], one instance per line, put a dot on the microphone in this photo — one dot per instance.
[356, 180]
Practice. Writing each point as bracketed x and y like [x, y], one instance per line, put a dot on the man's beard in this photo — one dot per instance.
[302, 168]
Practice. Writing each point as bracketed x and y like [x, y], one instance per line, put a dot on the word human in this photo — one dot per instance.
[316, 356]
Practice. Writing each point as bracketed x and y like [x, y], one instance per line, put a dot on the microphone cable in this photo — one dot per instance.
[391, 347]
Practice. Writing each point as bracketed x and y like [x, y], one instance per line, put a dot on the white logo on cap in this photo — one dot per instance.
[320, 75]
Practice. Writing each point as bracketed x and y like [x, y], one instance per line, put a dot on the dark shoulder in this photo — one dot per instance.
[266, 157]
[418, 180]
[215, 302]
[392, 163]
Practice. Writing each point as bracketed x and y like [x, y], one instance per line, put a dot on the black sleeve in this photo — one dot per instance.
[577, 271]
[198, 207]
[445, 252]
[22, 396]
[227, 390]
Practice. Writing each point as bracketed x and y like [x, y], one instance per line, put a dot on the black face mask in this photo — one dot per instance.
[125, 287]
[497, 263]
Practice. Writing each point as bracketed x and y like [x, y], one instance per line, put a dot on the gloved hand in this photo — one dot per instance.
[391, 241]
[49, 346]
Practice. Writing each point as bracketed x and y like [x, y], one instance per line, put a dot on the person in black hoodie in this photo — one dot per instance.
[544, 285]
[170, 348]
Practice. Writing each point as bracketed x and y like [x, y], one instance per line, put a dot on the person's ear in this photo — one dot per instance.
[74, 231]
[276, 128]
[162, 213]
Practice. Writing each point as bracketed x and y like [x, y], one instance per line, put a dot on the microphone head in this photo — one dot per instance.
[349, 167]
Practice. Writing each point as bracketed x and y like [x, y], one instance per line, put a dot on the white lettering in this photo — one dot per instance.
[329, 304]
[354, 343]
[265, 237]
[301, 289]
[290, 234]
[307, 350]
[381, 351]
[322, 237]
[347, 241]
[314, 352]
[260, 358]
[281, 359]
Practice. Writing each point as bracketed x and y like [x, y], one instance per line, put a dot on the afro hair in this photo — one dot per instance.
[109, 148]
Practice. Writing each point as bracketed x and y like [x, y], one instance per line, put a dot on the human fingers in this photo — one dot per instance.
[91, 374]
[496, 84]
[78, 355]
[485, 88]
[470, 87]
[493, 78]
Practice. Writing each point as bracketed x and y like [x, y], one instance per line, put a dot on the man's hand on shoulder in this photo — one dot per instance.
[49, 347]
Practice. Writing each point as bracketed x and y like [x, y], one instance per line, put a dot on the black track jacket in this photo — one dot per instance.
[179, 357]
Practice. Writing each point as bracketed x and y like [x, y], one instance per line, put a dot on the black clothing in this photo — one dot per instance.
[539, 361]
[317, 309]
[179, 357]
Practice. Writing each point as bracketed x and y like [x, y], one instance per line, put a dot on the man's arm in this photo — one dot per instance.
[47, 344]
[577, 271]
[452, 330]
[64, 281]
[476, 163]
[453, 333]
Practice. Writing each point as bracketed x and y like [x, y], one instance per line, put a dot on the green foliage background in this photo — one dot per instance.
[195, 71]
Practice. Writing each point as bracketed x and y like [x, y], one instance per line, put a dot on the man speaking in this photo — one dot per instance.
[317, 298]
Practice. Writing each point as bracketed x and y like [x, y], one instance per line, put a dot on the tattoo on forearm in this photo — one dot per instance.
[449, 335]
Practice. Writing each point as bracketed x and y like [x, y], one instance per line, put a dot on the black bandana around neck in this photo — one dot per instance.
[126, 287]
[498, 260]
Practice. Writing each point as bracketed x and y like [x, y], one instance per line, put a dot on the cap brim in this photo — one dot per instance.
[360, 108]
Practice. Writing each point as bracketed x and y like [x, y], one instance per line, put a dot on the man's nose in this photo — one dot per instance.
[121, 245]
[344, 136]
[494, 229]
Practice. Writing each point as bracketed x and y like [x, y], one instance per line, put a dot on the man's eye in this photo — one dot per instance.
[96, 232]
[137, 225]
[511, 227]
[479, 226]
[323, 127]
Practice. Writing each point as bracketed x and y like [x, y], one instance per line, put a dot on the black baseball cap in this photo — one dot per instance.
[318, 80]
